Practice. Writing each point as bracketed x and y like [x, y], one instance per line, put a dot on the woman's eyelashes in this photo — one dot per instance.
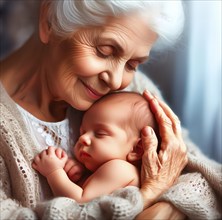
[106, 51]
[132, 65]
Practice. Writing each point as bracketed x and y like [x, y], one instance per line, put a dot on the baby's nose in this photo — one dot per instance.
[85, 140]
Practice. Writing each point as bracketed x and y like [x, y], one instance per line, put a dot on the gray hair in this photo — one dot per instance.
[166, 18]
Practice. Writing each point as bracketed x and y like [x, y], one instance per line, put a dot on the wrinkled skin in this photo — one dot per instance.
[164, 166]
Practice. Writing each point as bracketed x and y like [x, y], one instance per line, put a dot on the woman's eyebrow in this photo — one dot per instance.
[114, 42]
[120, 48]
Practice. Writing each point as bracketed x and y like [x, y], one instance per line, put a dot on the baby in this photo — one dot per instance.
[109, 146]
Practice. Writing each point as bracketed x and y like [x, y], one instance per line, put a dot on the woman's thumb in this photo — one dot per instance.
[149, 139]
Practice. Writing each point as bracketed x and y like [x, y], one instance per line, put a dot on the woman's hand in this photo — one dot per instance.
[50, 160]
[74, 169]
[160, 170]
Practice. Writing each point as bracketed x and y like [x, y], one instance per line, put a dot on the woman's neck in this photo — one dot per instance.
[23, 76]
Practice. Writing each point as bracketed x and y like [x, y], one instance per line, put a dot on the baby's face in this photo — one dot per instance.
[103, 136]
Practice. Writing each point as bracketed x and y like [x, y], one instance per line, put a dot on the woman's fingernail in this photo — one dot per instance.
[147, 131]
[165, 156]
[148, 93]
[155, 100]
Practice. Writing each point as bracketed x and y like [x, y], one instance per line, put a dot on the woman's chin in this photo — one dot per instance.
[83, 106]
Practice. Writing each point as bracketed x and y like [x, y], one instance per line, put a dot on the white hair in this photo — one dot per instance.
[164, 17]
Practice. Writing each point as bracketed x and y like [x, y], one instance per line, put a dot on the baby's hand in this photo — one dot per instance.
[50, 160]
[74, 169]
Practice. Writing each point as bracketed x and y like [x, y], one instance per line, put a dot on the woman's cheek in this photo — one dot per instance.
[127, 79]
[89, 65]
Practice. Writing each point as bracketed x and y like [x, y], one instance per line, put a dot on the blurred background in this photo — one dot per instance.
[189, 74]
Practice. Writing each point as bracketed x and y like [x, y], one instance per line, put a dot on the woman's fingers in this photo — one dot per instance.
[176, 125]
[165, 107]
[160, 170]
[147, 95]
[149, 139]
[168, 122]
[161, 116]
[174, 119]
[164, 122]
[150, 161]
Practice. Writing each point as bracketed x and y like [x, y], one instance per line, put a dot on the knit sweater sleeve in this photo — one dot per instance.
[10, 208]
[198, 191]
[15, 176]
[121, 205]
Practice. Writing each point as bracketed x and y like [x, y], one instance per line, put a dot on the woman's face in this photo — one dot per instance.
[97, 60]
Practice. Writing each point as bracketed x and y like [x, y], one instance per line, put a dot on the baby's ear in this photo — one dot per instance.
[136, 153]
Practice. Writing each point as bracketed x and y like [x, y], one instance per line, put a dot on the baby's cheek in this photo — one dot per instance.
[76, 150]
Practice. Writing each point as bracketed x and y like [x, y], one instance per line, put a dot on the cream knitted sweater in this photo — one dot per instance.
[197, 193]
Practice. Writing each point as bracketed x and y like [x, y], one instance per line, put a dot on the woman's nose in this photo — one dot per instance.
[113, 78]
[85, 140]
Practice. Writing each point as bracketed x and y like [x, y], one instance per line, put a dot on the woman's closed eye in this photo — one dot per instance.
[132, 65]
[105, 50]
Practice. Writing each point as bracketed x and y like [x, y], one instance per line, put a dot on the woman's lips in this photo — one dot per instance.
[92, 93]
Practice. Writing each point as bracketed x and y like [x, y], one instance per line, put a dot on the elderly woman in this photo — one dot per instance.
[81, 51]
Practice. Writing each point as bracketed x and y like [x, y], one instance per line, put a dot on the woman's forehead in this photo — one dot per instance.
[129, 35]
[134, 28]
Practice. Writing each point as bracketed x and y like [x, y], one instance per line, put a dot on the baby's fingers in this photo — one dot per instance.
[64, 156]
[37, 158]
[34, 166]
[36, 161]
[51, 151]
[59, 152]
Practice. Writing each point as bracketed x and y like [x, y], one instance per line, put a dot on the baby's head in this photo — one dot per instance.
[131, 107]
[111, 129]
